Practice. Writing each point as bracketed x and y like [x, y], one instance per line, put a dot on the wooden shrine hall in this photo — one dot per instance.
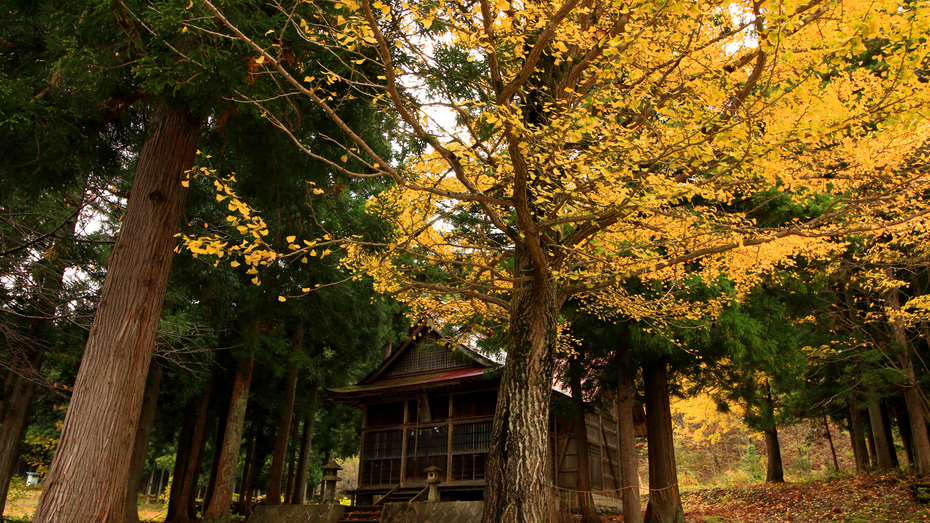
[431, 404]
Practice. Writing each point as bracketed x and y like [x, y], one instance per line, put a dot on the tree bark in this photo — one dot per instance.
[664, 496]
[219, 435]
[774, 472]
[141, 445]
[87, 479]
[248, 470]
[883, 446]
[15, 417]
[292, 462]
[517, 484]
[299, 496]
[278, 458]
[626, 434]
[218, 509]
[869, 440]
[904, 429]
[161, 483]
[889, 436]
[583, 485]
[829, 436]
[150, 482]
[185, 440]
[186, 500]
[912, 395]
[857, 437]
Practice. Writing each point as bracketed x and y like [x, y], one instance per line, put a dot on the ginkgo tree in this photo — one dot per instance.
[563, 147]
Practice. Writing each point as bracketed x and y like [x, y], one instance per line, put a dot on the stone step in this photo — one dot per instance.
[361, 514]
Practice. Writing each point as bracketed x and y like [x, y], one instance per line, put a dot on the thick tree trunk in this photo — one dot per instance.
[889, 436]
[517, 484]
[774, 472]
[664, 496]
[273, 497]
[218, 508]
[299, 497]
[857, 437]
[912, 395]
[141, 445]
[583, 485]
[883, 446]
[14, 423]
[626, 434]
[87, 479]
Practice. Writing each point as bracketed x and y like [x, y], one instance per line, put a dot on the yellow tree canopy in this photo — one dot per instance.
[610, 139]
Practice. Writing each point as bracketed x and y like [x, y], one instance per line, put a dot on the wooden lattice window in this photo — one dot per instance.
[471, 437]
[381, 458]
[433, 441]
[426, 358]
[383, 444]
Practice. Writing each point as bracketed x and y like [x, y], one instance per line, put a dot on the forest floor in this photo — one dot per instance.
[875, 498]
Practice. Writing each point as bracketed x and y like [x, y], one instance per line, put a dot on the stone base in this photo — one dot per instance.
[297, 514]
[440, 512]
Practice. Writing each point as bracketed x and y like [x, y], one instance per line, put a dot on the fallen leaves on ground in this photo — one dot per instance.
[874, 498]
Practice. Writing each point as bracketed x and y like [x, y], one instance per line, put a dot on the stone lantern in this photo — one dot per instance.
[433, 480]
[330, 477]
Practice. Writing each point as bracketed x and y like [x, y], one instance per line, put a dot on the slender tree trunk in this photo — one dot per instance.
[292, 462]
[252, 493]
[150, 482]
[245, 488]
[664, 496]
[517, 484]
[273, 497]
[186, 504]
[626, 434]
[161, 484]
[247, 464]
[583, 485]
[14, 422]
[883, 446]
[218, 508]
[303, 463]
[219, 435]
[185, 440]
[904, 429]
[774, 472]
[912, 395]
[826, 428]
[857, 436]
[141, 445]
[87, 479]
[869, 440]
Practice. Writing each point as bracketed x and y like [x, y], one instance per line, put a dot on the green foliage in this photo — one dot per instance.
[751, 463]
